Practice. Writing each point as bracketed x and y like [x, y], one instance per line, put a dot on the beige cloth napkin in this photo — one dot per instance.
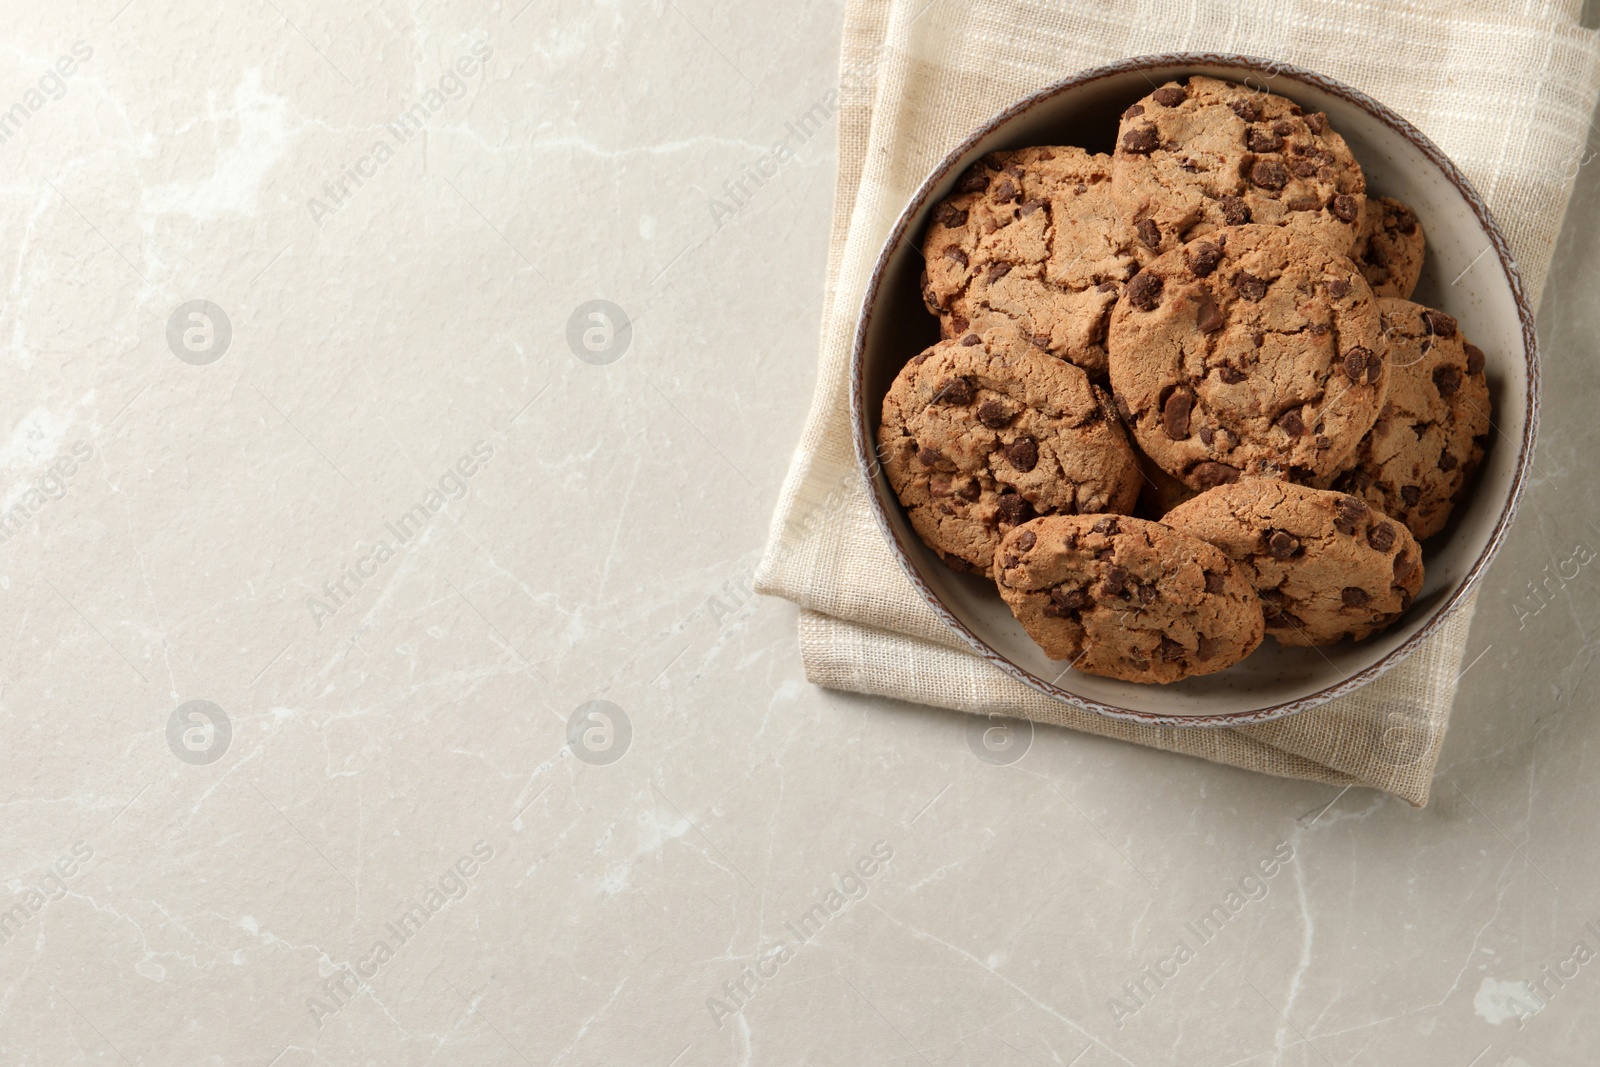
[1505, 88]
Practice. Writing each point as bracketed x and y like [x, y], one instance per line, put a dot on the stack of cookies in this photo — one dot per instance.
[1183, 399]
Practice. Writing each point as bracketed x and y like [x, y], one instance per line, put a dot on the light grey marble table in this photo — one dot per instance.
[496, 759]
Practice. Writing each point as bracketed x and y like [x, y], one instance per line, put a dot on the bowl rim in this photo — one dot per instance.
[868, 464]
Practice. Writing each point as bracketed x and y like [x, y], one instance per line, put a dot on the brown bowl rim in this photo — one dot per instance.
[866, 457]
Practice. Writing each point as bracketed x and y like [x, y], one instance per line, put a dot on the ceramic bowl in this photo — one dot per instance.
[1468, 273]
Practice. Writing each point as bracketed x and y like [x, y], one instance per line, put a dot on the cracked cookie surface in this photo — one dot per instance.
[1031, 239]
[1389, 247]
[1249, 351]
[1125, 598]
[1430, 436]
[1195, 156]
[1325, 565]
[985, 433]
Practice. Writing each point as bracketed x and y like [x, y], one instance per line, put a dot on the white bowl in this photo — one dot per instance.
[1468, 273]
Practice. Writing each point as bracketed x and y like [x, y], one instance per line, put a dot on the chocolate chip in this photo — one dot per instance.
[1281, 620]
[1121, 405]
[1245, 109]
[1353, 596]
[1206, 434]
[1447, 380]
[1305, 169]
[1381, 537]
[1175, 412]
[1230, 375]
[997, 271]
[1411, 494]
[1447, 462]
[973, 181]
[1041, 340]
[950, 215]
[1023, 454]
[1107, 287]
[1133, 112]
[992, 415]
[1283, 127]
[954, 252]
[1258, 139]
[1203, 259]
[1115, 582]
[1304, 203]
[919, 359]
[1206, 648]
[1345, 207]
[1171, 651]
[1316, 120]
[1291, 423]
[1030, 207]
[1355, 363]
[1249, 286]
[1269, 174]
[953, 391]
[971, 339]
[1208, 317]
[1209, 474]
[1144, 292]
[1064, 601]
[1006, 191]
[1235, 212]
[1170, 96]
[1013, 509]
[1475, 359]
[1281, 545]
[929, 456]
[1026, 540]
[1338, 288]
[1149, 233]
[1214, 582]
[970, 491]
[1439, 323]
[1107, 526]
[1347, 513]
[1403, 566]
[1401, 219]
[1142, 141]
[1374, 367]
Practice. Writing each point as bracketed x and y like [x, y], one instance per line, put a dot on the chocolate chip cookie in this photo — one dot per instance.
[1199, 154]
[1325, 565]
[1389, 247]
[1031, 240]
[1129, 599]
[1430, 436]
[982, 434]
[1250, 351]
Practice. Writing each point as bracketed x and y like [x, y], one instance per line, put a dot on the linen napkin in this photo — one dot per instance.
[1505, 89]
